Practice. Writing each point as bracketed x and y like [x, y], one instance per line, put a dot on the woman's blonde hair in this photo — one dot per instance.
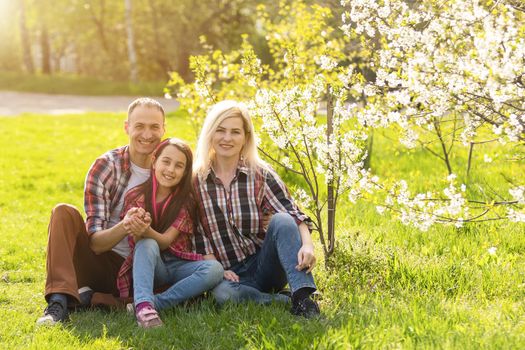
[204, 154]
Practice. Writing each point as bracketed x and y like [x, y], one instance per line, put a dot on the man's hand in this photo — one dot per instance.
[306, 258]
[231, 276]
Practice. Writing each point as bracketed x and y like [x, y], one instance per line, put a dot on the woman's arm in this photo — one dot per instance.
[306, 255]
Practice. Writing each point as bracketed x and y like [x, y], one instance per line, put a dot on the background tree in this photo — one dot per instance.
[321, 159]
[449, 76]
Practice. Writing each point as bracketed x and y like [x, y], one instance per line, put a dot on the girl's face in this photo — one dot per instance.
[229, 138]
[170, 167]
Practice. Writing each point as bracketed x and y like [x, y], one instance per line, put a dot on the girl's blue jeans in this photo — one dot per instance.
[187, 279]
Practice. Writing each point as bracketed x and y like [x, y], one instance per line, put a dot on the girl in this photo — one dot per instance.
[162, 216]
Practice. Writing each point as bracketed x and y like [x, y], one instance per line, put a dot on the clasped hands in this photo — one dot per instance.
[136, 223]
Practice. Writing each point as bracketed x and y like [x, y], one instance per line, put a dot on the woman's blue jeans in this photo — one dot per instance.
[187, 279]
[268, 270]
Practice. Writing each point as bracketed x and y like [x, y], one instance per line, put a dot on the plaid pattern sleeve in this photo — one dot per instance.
[182, 246]
[201, 242]
[105, 183]
[278, 198]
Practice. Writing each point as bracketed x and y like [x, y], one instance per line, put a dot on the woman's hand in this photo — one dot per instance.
[306, 258]
[231, 276]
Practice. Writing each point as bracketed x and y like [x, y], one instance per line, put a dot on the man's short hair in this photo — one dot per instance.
[146, 102]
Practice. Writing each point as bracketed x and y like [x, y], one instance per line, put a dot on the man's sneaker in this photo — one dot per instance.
[148, 317]
[85, 294]
[54, 313]
[305, 307]
[286, 292]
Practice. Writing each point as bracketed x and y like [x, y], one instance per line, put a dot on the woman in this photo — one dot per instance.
[235, 189]
[162, 215]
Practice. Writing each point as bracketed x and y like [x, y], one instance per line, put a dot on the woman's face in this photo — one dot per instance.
[229, 138]
[170, 166]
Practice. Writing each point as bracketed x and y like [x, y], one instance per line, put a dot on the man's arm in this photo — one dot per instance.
[104, 240]
[97, 202]
[135, 222]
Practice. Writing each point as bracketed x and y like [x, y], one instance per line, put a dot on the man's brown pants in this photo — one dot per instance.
[71, 264]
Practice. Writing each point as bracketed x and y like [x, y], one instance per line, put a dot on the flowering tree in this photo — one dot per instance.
[454, 70]
[450, 75]
[325, 152]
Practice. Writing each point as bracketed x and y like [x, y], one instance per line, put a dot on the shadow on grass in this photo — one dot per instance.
[204, 326]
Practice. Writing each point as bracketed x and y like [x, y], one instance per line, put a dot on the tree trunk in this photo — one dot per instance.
[369, 147]
[330, 186]
[132, 56]
[46, 51]
[159, 52]
[183, 64]
[26, 42]
[100, 24]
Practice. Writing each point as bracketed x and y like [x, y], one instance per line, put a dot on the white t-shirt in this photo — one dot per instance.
[138, 176]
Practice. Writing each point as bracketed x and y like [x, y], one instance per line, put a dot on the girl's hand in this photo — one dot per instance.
[229, 275]
[133, 211]
[137, 222]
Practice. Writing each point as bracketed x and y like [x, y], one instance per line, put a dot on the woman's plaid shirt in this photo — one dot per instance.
[232, 221]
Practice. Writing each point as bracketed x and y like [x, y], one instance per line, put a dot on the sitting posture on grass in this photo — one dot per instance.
[235, 189]
[83, 258]
[162, 215]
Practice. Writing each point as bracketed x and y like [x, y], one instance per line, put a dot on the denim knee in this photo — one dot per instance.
[147, 246]
[282, 222]
[225, 291]
[214, 272]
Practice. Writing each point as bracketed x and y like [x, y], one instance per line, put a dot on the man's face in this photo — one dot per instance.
[145, 127]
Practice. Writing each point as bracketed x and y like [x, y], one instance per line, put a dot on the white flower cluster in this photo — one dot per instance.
[289, 118]
[422, 210]
[461, 59]
[518, 194]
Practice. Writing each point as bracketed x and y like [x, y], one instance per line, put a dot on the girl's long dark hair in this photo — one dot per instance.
[183, 192]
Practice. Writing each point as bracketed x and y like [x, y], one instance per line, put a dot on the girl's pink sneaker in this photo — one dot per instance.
[147, 317]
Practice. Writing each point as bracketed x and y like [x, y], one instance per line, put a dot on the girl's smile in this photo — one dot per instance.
[169, 168]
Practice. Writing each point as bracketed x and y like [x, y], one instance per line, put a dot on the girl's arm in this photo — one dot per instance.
[165, 239]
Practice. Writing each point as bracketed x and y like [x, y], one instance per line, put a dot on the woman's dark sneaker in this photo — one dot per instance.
[305, 307]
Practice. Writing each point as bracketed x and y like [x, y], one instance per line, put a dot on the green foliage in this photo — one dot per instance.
[389, 286]
[88, 38]
[76, 85]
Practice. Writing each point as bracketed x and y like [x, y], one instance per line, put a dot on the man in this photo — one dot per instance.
[89, 255]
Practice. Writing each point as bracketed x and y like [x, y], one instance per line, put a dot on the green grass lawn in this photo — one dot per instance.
[77, 85]
[390, 286]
